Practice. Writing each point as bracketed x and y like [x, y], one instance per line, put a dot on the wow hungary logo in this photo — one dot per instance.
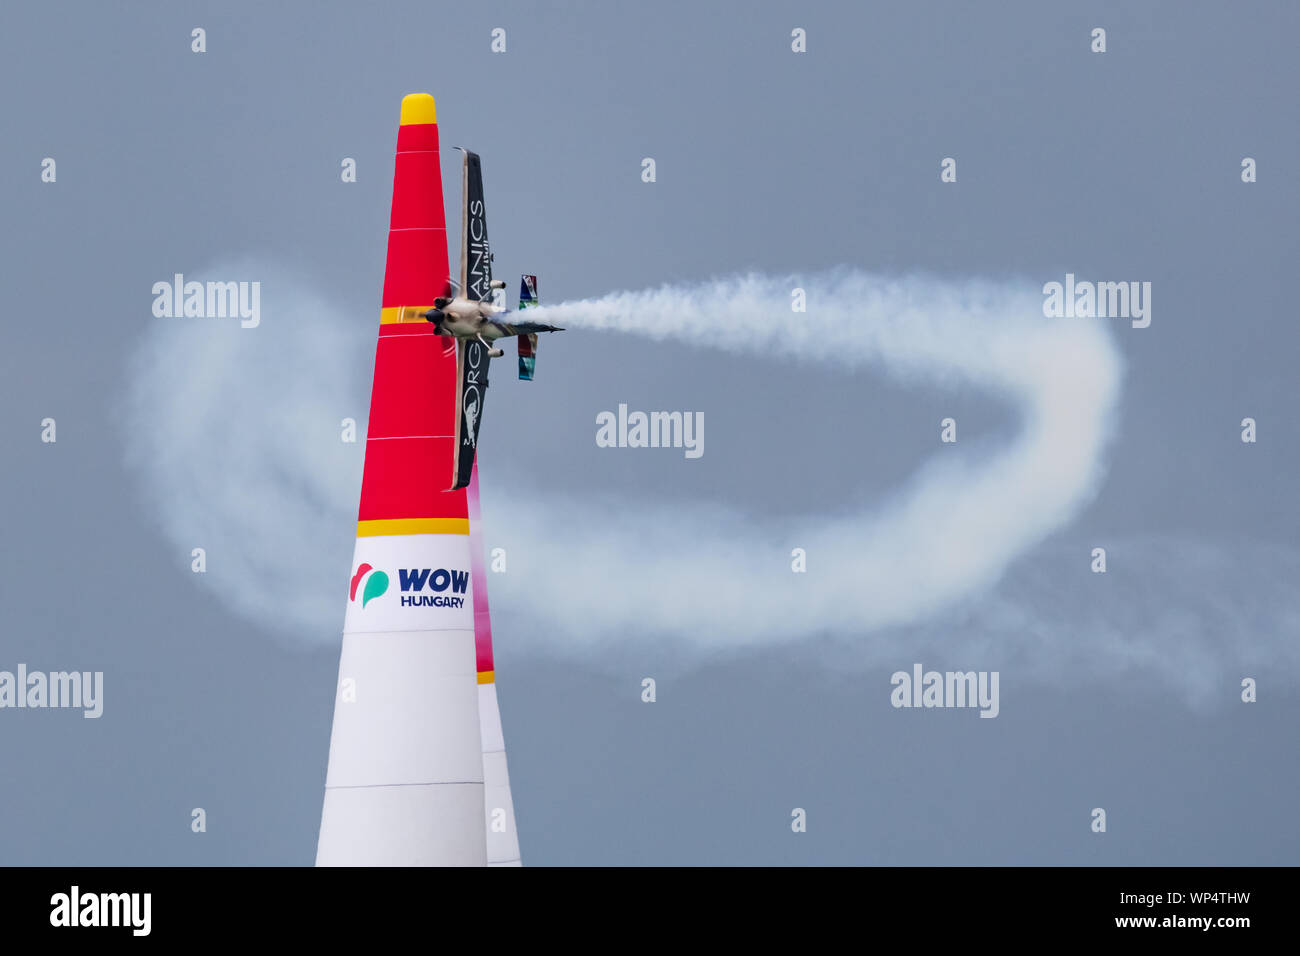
[450, 587]
[376, 584]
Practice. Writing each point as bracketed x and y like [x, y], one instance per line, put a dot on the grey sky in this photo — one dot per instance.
[1116, 166]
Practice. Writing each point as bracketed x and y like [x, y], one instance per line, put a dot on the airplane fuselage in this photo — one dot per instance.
[466, 319]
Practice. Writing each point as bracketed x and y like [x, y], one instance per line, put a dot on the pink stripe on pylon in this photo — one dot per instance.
[478, 571]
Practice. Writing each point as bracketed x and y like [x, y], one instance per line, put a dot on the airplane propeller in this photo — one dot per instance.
[451, 291]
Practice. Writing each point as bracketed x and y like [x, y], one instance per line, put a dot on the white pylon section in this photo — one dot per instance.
[405, 780]
[499, 807]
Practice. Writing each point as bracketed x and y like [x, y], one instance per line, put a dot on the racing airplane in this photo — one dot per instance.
[470, 313]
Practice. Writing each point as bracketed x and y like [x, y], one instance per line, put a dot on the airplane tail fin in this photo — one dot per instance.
[527, 342]
[527, 356]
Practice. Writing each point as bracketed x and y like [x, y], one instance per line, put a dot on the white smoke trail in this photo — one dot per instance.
[950, 534]
[235, 436]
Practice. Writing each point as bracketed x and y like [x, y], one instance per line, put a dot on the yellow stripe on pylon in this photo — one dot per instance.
[383, 526]
[403, 313]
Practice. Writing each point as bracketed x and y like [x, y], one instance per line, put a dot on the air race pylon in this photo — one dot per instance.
[406, 762]
[499, 809]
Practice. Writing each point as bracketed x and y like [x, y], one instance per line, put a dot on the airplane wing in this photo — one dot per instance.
[475, 253]
[472, 380]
